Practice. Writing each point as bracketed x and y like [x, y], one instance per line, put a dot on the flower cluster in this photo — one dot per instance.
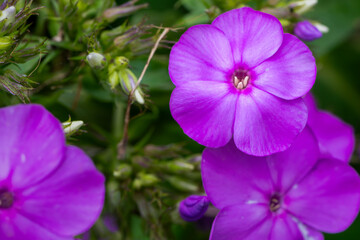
[275, 166]
[48, 190]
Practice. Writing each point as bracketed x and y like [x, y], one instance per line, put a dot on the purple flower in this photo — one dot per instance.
[193, 207]
[48, 190]
[289, 195]
[307, 31]
[241, 77]
[336, 139]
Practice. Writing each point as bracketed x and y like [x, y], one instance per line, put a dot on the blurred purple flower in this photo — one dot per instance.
[48, 190]
[289, 195]
[336, 138]
[241, 77]
[306, 31]
[193, 207]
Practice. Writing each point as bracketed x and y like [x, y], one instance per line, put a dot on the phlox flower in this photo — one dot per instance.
[193, 207]
[241, 77]
[48, 190]
[306, 31]
[336, 138]
[291, 195]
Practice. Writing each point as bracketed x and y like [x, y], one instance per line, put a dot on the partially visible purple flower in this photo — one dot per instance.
[290, 195]
[110, 223]
[241, 77]
[336, 138]
[193, 207]
[48, 190]
[306, 31]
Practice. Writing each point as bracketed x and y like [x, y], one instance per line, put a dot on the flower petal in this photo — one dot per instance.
[288, 74]
[19, 228]
[284, 227]
[290, 166]
[254, 36]
[232, 177]
[242, 222]
[203, 53]
[70, 200]
[336, 138]
[328, 198]
[265, 124]
[205, 112]
[30, 137]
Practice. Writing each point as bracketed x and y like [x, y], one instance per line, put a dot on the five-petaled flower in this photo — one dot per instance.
[241, 77]
[48, 190]
[294, 194]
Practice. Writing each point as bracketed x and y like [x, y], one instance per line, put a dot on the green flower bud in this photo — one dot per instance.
[122, 171]
[113, 79]
[121, 62]
[96, 60]
[9, 15]
[176, 166]
[5, 42]
[71, 127]
[182, 184]
[128, 82]
[145, 180]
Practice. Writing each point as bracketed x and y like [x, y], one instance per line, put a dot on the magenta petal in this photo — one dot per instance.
[285, 228]
[242, 222]
[328, 198]
[203, 53]
[292, 165]
[232, 177]
[70, 200]
[20, 228]
[254, 36]
[265, 124]
[288, 74]
[30, 137]
[205, 111]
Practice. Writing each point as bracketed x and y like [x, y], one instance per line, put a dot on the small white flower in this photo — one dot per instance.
[8, 14]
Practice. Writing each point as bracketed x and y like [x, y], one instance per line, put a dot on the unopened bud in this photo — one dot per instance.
[306, 31]
[176, 166]
[128, 81]
[123, 10]
[193, 207]
[182, 184]
[321, 27]
[5, 42]
[121, 62]
[302, 6]
[122, 171]
[71, 127]
[96, 60]
[145, 180]
[9, 15]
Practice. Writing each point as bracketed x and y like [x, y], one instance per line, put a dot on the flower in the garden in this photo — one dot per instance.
[290, 195]
[241, 77]
[306, 31]
[336, 138]
[193, 207]
[48, 190]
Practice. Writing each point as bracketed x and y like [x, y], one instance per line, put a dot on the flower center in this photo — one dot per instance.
[6, 199]
[241, 79]
[275, 202]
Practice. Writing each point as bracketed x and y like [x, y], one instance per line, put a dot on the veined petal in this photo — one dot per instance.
[289, 167]
[205, 111]
[290, 73]
[242, 222]
[265, 124]
[254, 36]
[18, 227]
[285, 228]
[30, 137]
[328, 198]
[231, 177]
[70, 200]
[203, 53]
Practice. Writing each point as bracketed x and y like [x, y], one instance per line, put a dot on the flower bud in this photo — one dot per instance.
[306, 31]
[71, 127]
[122, 171]
[9, 15]
[182, 184]
[302, 6]
[179, 166]
[128, 82]
[144, 180]
[5, 42]
[96, 60]
[123, 10]
[193, 207]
